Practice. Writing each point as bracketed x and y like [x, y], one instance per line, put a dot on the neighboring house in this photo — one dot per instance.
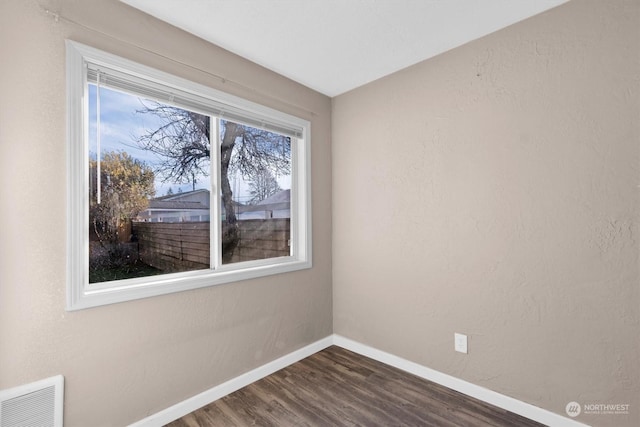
[193, 206]
[182, 207]
[276, 206]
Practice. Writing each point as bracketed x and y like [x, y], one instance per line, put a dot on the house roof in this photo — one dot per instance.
[175, 205]
[178, 196]
[283, 196]
[280, 200]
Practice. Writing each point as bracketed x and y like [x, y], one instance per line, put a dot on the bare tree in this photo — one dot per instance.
[181, 143]
[262, 185]
[183, 146]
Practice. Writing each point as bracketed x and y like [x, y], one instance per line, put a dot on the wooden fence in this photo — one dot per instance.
[262, 239]
[182, 246]
[173, 246]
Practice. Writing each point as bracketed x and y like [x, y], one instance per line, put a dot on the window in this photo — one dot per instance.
[173, 185]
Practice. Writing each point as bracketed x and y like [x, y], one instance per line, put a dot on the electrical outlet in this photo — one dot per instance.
[460, 342]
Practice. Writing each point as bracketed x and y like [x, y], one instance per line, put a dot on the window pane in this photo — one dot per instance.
[149, 210]
[255, 169]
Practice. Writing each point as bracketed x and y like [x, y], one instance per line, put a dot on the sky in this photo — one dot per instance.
[121, 124]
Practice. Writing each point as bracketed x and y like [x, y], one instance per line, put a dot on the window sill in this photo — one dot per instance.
[95, 295]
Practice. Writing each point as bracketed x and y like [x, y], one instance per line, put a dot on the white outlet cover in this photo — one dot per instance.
[460, 342]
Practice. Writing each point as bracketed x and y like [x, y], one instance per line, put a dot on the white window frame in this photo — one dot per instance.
[81, 294]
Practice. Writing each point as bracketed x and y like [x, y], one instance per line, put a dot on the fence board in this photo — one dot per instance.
[184, 246]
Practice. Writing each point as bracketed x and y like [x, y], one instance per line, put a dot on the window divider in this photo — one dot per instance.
[215, 212]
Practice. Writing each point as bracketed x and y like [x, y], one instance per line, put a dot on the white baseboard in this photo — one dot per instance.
[493, 398]
[198, 401]
[500, 400]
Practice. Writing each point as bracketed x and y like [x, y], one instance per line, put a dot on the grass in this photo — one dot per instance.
[128, 271]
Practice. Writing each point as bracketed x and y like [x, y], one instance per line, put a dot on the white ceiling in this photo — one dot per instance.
[334, 46]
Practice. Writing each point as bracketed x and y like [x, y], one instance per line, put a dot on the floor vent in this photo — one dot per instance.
[38, 404]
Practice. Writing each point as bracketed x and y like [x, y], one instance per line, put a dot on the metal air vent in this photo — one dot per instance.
[38, 404]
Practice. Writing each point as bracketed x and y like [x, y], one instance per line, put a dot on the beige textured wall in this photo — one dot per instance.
[125, 361]
[493, 191]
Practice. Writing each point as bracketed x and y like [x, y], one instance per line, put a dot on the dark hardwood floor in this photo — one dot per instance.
[336, 387]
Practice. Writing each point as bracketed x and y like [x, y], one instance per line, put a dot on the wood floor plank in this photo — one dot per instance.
[336, 387]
